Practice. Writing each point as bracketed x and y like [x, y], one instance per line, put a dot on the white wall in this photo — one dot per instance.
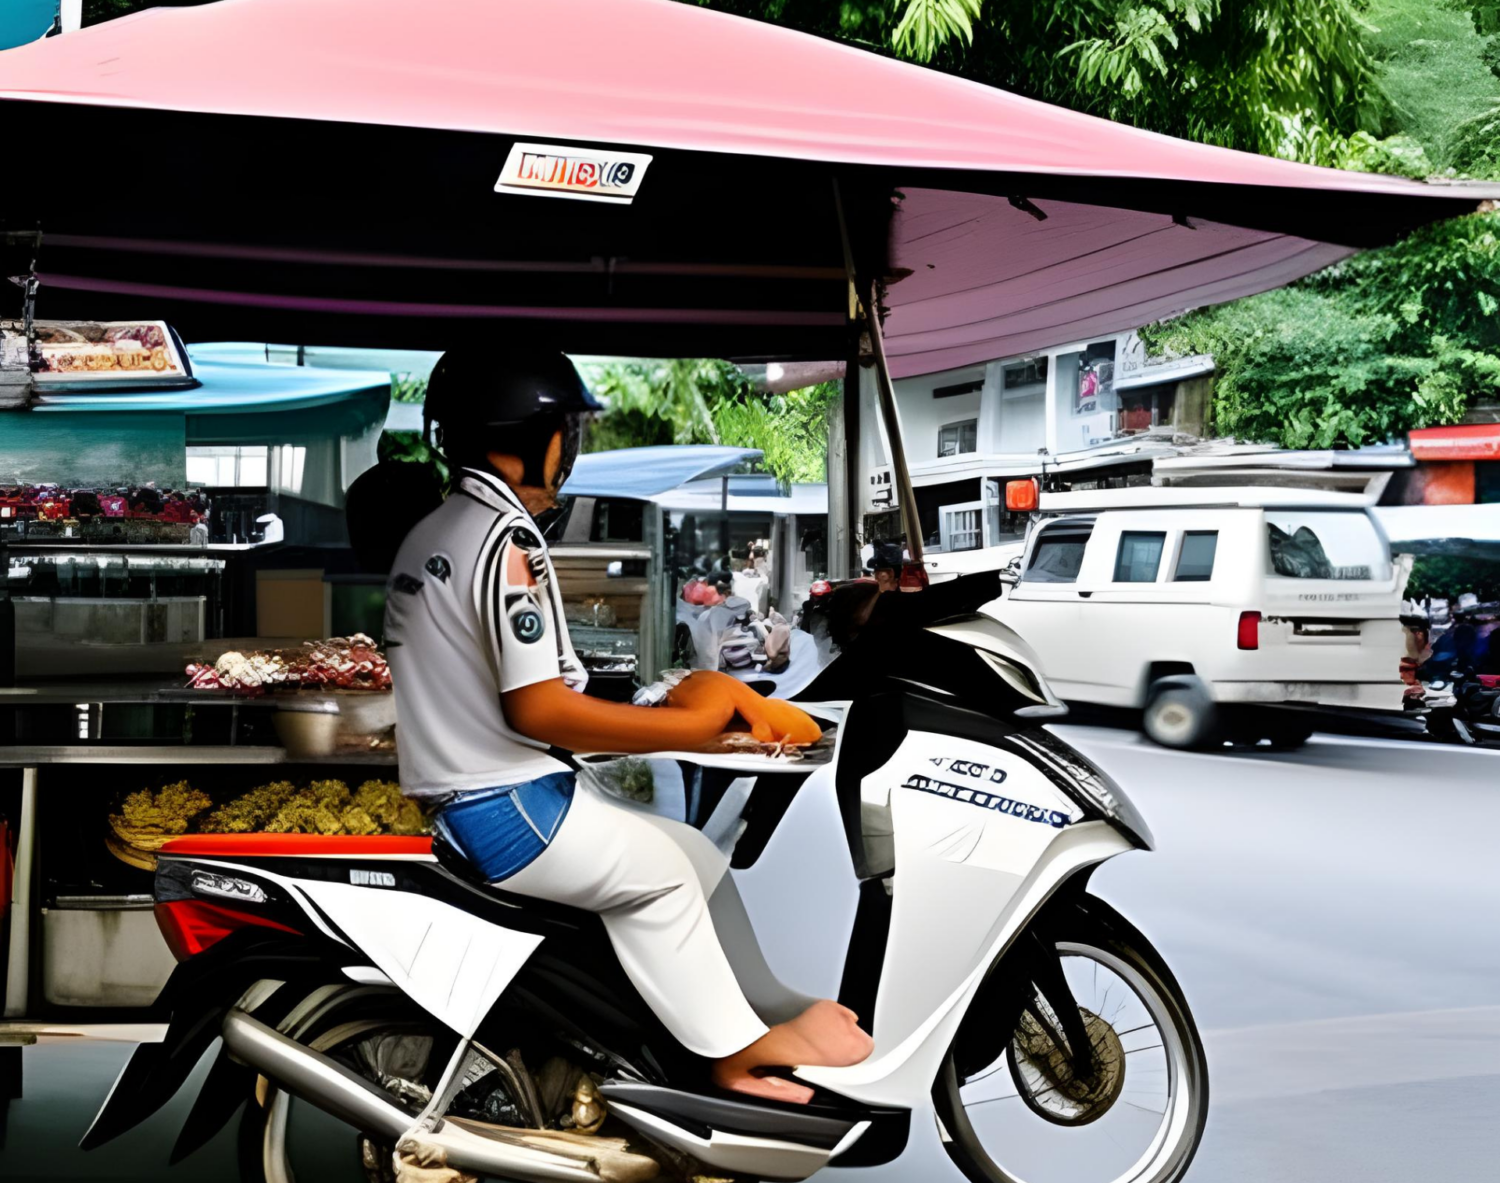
[922, 416]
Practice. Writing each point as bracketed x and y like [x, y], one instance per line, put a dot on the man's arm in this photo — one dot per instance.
[698, 709]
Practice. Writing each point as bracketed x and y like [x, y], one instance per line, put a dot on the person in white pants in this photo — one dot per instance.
[487, 692]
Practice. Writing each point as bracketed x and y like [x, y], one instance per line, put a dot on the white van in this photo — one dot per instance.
[1193, 604]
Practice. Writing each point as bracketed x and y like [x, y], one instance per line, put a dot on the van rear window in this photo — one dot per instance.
[1195, 562]
[1311, 545]
[1057, 556]
[1139, 557]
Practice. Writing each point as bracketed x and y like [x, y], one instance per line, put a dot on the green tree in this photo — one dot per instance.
[703, 401]
[1397, 338]
[1289, 77]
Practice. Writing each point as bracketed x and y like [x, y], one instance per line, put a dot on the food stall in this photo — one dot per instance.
[897, 219]
[160, 514]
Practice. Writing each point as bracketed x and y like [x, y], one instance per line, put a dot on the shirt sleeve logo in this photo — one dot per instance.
[526, 622]
[438, 568]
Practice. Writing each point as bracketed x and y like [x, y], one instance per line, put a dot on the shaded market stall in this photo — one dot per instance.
[383, 172]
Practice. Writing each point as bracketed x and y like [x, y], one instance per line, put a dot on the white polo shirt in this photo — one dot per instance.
[472, 611]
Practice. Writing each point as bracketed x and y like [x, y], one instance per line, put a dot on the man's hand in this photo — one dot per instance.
[697, 710]
[772, 720]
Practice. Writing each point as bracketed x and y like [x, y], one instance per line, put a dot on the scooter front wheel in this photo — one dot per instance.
[1028, 1110]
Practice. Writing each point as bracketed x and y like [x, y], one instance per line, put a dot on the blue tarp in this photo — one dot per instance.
[644, 472]
[25, 20]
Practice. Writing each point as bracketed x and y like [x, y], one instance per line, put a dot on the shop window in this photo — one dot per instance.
[1195, 564]
[1027, 373]
[1057, 555]
[291, 463]
[957, 389]
[957, 438]
[229, 466]
[1140, 556]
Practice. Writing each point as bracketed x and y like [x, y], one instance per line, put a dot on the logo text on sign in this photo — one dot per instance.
[550, 170]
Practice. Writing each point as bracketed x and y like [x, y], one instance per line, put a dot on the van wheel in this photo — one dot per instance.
[1180, 713]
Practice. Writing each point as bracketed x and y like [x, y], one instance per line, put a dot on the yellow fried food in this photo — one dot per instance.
[302, 816]
[250, 811]
[384, 802]
[165, 812]
[330, 794]
[356, 821]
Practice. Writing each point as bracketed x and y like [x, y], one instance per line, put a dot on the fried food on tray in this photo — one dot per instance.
[249, 811]
[394, 813]
[148, 820]
[166, 813]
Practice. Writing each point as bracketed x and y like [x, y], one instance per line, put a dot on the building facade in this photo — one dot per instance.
[1076, 412]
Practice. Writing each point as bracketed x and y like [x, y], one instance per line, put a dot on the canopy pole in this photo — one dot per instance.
[911, 521]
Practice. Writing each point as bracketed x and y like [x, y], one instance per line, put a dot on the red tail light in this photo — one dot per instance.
[191, 926]
[913, 577]
[1021, 496]
[1249, 637]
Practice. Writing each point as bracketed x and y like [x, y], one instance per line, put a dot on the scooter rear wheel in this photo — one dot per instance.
[1026, 1117]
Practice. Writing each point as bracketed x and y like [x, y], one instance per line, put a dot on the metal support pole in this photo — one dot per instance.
[843, 496]
[911, 521]
[18, 962]
[724, 520]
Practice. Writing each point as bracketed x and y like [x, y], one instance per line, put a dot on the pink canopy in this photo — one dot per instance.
[149, 196]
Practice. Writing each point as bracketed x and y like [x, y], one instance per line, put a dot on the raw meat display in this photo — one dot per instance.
[339, 663]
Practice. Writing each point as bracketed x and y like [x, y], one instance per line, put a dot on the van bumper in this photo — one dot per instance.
[1375, 696]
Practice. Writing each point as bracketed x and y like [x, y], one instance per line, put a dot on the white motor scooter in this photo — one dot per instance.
[379, 981]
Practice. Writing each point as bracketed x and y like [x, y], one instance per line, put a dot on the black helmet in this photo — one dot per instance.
[511, 398]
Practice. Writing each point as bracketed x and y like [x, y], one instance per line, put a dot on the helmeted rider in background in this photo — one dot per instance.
[489, 702]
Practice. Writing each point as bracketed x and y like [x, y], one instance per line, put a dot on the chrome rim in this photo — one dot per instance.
[1135, 1122]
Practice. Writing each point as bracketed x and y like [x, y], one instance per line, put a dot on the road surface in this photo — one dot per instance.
[1333, 915]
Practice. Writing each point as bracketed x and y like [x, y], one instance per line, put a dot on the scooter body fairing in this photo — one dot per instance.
[974, 838]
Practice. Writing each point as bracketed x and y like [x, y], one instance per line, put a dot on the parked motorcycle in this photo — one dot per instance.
[379, 981]
[1466, 706]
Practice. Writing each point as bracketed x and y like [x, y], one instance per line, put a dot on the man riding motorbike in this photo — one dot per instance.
[488, 700]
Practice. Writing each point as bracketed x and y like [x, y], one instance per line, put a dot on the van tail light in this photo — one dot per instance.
[913, 577]
[1021, 496]
[1249, 636]
[190, 926]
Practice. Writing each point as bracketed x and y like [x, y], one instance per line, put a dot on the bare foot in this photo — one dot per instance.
[825, 1034]
[772, 1088]
[829, 1035]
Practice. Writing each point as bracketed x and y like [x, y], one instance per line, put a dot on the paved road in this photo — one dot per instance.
[1333, 915]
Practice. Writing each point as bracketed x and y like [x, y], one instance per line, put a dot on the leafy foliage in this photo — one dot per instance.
[696, 401]
[407, 388]
[1383, 343]
[926, 25]
[1446, 577]
[1393, 339]
[1289, 77]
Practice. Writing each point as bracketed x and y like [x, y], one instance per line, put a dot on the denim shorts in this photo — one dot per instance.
[501, 830]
